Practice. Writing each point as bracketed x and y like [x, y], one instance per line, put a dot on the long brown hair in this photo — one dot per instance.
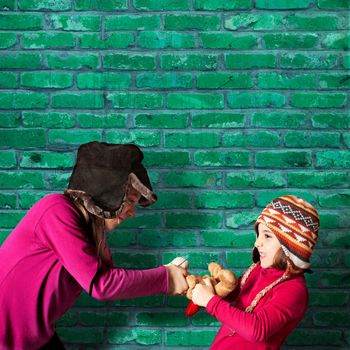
[282, 262]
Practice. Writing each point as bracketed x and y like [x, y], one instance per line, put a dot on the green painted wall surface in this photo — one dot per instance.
[233, 102]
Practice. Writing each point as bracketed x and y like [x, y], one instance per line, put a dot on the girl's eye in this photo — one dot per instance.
[267, 236]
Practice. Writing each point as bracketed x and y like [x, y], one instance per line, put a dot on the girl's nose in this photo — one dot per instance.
[257, 243]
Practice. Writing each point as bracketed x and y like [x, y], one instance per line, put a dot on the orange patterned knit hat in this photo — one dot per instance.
[295, 223]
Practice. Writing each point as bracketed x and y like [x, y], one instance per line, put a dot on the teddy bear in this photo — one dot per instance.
[223, 281]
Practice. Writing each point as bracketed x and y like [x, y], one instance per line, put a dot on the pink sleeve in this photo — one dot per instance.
[60, 228]
[289, 302]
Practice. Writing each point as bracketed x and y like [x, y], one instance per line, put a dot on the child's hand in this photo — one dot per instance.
[201, 294]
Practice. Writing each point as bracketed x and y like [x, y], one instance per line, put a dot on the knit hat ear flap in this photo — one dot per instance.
[295, 223]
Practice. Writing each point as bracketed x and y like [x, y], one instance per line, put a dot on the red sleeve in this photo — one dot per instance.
[61, 230]
[289, 302]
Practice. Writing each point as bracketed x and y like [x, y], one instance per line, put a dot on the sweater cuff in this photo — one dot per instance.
[212, 303]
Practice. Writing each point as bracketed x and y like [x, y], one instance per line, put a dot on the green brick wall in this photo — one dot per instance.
[234, 102]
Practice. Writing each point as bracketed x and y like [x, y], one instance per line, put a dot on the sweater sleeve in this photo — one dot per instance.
[289, 302]
[60, 229]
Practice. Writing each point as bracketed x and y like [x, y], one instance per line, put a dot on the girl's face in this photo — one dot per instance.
[127, 212]
[267, 245]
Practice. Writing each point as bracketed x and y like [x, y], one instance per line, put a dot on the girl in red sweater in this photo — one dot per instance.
[272, 297]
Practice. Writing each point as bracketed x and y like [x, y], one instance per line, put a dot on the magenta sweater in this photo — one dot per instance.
[272, 320]
[45, 263]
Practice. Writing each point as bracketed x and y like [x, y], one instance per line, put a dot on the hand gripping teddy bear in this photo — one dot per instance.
[223, 281]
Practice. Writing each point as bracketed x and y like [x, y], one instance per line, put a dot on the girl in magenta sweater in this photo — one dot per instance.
[59, 248]
[272, 296]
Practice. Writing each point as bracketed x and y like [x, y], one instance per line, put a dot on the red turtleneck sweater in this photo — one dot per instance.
[276, 315]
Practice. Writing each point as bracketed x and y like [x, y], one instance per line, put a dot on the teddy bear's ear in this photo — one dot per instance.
[214, 269]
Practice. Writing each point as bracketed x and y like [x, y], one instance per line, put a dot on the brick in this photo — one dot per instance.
[314, 23]
[308, 61]
[333, 159]
[283, 159]
[110, 41]
[290, 41]
[192, 179]
[8, 200]
[162, 121]
[190, 338]
[327, 259]
[58, 179]
[191, 140]
[8, 80]
[10, 218]
[283, 4]
[195, 101]
[73, 137]
[255, 100]
[46, 80]
[242, 219]
[214, 5]
[140, 336]
[27, 199]
[141, 138]
[19, 60]
[301, 139]
[266, 197]
[218, 120]
[164, 40]
[318, 179]
[346, 137]
[130, 62]
[161, 319]
[331, 120]
[331, 319]
[142, 221]
[89, 318]
[188, 62]
[50, 160]
[338, 81]
[227, 41]
[253, 179]
[9, 120]
[341, 199]
[237, 259]
[48, 120]
[115, 81]
[164, 5]
[85, 335]
[47, 40]
[312, 338]
[164, 81]
[10, 21]
[23, 99]
[215, 199]
[204, 319]
[333, 4]
[7, 40]
[247, 61]
[139, 261]
[6, 5]
[7, 159]
[37, 5]
[121, 239]
[151, 301]
[222, 158]
[227, 238]
[191, 22]
[77, 100]
[283, 81]
[328, 298]
[21, 179]
[88, 120]
[164, 158]
[135, 100]
[127, 22]
[346, 61]
[74, 23]
[315, 100]
[223, 81]
[336, 41]
[22, 138]
[72, 61]
[255, 21]
[100, 5]
[250, 139]
[68, 320]
[190, 220]
[199, 260]
[278, 120]
[167, 239]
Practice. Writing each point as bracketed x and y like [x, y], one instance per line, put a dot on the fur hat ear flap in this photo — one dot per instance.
[255, 255]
